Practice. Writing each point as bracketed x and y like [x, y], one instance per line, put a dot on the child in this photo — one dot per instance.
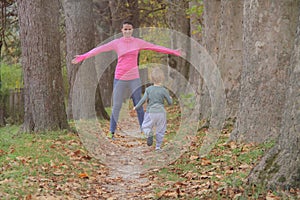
[155, 115]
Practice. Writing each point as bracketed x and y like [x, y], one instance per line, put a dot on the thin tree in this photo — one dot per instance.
[43, 82]
[177, 20]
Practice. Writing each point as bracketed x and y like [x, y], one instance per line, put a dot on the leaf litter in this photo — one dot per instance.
[82, 174]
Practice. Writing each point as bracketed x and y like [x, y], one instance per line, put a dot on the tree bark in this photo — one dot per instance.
[80, 38]
[269, 32]
[43, 82]
[195, 23]
[104, 31]
[2, 111]
[230, 56]
[211, 31]
[179, 22]
[102, 20]
[280, 167]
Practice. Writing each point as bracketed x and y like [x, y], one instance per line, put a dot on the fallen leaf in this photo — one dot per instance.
[2, 152]
[205, 162]
[271, 196]
[76, 153]
[231, 145]
[83, 175]
[244, 166]
[58, 173]
[173, 194]
[194, 157]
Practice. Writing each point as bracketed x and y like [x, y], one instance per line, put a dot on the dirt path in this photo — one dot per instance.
[127, 177]
[128, 158]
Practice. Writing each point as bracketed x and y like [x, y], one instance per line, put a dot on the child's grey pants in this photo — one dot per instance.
[157, 120]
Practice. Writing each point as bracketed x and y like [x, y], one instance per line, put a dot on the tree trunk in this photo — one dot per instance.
[179, 22]
[230, 56]
[102, 20]
[43, 82]
[2, 111]
[104, 31]
[269, 32]
[195, 33]
[80, 38]
[280, 167]
[211, 31]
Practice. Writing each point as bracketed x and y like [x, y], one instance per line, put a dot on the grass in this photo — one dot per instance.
[221, 175]
[28, 160]
[56, 164]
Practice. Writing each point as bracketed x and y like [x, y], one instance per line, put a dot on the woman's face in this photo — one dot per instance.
[127, 30]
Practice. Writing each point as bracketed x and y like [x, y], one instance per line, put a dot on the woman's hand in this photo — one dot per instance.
[78, 58]
[182, 53]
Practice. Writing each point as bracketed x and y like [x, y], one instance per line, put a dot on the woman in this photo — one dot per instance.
[127, 71]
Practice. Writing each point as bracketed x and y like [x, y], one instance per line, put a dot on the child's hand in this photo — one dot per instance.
[132, 113]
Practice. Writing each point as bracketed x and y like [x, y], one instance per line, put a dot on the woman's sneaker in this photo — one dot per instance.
[111, 136]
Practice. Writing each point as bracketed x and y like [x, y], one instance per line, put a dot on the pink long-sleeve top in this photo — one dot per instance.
[127, 50]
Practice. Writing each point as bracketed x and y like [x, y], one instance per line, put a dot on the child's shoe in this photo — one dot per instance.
[158, 149]
[150, 140]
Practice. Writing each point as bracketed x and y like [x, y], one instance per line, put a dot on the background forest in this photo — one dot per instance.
[255, 46]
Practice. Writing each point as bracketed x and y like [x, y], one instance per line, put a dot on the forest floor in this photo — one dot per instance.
[87, 165]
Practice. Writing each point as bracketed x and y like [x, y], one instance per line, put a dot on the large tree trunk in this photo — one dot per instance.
[211, 31]
[43, 82]
[269, 32]
[223, 40]
[230, 56]
[281, 165]
[79, 36]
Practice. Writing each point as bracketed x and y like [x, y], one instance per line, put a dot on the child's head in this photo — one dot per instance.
[157, 75]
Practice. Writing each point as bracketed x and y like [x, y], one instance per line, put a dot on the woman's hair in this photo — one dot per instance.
[127, 22]
[157, 75]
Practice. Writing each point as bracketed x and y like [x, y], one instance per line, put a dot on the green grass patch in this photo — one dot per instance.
[36, 162]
